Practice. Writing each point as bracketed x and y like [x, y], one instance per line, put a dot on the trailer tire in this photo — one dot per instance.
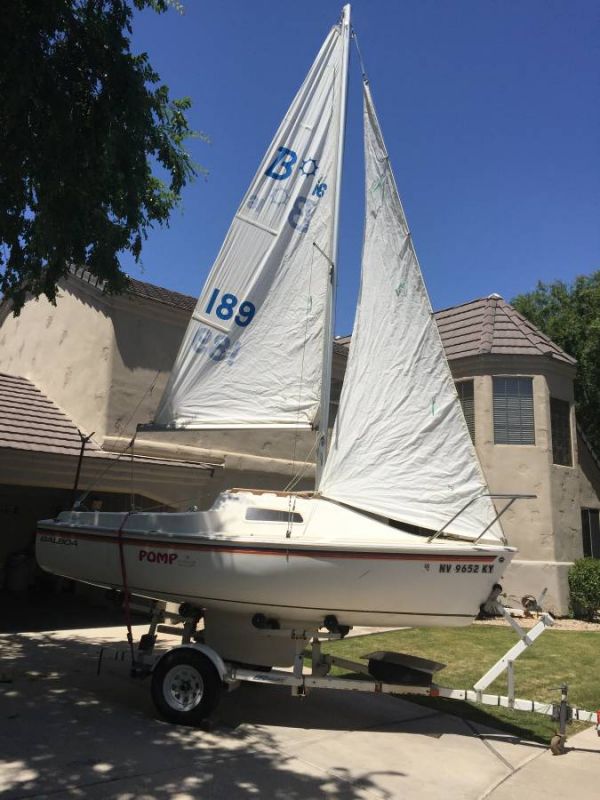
[185, 687]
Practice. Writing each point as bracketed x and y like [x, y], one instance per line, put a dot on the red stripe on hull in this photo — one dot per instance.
[281, 551]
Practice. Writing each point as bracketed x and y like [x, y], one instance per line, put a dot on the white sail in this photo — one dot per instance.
[400, 446]
[252, 354]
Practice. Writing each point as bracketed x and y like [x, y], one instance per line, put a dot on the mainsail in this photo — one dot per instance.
[253, 351]
[400, 446]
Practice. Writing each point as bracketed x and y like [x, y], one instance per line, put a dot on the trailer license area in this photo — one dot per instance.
[472, 568]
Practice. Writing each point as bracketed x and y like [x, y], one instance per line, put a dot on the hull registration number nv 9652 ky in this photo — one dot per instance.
[472, 568]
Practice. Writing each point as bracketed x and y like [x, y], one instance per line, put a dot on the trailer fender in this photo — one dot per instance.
[211, 654]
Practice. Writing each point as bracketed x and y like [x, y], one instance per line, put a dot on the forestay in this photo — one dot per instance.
[400, 446]
[252, 354]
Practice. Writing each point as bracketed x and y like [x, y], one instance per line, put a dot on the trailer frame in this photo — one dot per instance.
[308, 645]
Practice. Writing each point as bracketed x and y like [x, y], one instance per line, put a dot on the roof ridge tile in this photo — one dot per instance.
[538, 338]
[488, 325]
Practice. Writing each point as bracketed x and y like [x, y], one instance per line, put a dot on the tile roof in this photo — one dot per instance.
[30, 421]
[152, 292]
[487, 325]
[143, 289]
[491, 325]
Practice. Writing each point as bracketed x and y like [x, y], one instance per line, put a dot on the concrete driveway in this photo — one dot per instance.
[66, 733]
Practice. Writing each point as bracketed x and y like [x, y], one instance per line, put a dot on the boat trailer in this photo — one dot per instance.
[187, 680]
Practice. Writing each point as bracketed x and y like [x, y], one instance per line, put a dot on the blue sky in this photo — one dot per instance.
[490, 111]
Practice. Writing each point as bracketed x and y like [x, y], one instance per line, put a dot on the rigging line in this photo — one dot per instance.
[291, 509]
[148, 509]
[324, 254]
[360, 58]
[148, 391]
[295, 479]
[300, 387]
[126, 592]
[163, 505]
[132, 495]
[101, 473]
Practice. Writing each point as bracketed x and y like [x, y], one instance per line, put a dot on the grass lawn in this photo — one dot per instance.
[556, 657]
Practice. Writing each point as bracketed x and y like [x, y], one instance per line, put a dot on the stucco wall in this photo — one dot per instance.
[589, 483]
[66, 350]
[566, 509]
[548, 527]
[547, 530]
[145, 338]
[518, 469]
[532, 577]
[589, 472]
[106, 360]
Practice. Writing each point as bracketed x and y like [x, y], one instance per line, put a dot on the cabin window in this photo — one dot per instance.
[408, 528]
[272, 515]
[590, 528]
[466, 396]
[560, 419]
[513, 411]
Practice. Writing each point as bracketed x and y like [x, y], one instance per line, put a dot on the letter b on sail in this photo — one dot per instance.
[284, 161]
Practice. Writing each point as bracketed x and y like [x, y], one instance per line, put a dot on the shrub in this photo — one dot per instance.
[584, 588]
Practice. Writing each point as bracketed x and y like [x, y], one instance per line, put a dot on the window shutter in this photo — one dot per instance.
[595, 532]
[513, 411]
[466, 395]
[560, 421]
[590, 529]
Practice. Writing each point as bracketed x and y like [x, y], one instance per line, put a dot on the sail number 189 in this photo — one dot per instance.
[225, 307]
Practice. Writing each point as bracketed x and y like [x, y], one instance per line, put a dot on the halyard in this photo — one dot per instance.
[557, 657]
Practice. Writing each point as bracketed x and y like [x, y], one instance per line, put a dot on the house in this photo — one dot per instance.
[516, 389]
[77, 378]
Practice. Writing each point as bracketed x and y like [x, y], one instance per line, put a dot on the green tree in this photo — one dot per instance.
[570, 316]
[86, 128]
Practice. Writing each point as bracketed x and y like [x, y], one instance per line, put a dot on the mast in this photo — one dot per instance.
[323, 433]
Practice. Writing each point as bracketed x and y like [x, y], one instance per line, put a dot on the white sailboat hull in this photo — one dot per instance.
[333, 562]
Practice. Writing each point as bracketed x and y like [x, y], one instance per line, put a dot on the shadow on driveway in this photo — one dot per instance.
[66, 732]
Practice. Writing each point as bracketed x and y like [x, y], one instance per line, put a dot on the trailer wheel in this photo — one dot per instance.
[185, 687]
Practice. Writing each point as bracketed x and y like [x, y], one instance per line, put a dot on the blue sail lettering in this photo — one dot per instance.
[285, 160]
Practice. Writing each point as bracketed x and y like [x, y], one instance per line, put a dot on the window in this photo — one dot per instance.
[272, 515]
[513, 411]
[408, 528]
[467, 401]
[560, 420]
[334, 400]
[590, 529]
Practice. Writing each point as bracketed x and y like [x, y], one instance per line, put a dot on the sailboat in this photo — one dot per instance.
[401, 528]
